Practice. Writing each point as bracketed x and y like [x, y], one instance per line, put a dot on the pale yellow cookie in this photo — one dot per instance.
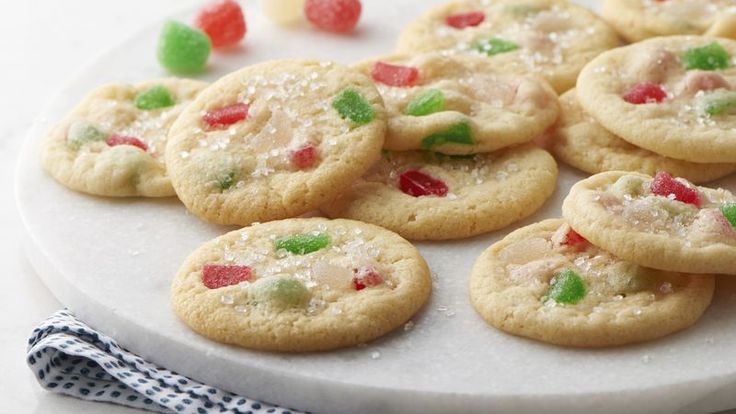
[427, 196]
[550, 38]
[580, 141]
[301, 285]
[663, 223]
[275, 140]
[458, 104]
[112, 144]
[544, 282]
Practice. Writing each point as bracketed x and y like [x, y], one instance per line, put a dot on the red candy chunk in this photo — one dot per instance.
[223, 22]
[226, 116]
[463, 20]
[418, 184]
[115, 140]
[339, 16]
[366, 277]
[573, 239]
[645, 92]
[665, 185]
[394, 75]
[218, 276]
[305, 157]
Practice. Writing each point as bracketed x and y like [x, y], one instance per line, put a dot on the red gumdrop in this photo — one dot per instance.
[115, 140]
[573, 239]
[223, 22]
[665, 185]
[366, 277]
[645, 92]
[305, 157]
[226, 116]
[463, 20]
[418, 184]
[394, 75]
[339, 16]
[217, 276]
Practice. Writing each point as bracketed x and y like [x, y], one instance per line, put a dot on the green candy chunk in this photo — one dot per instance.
[729, 211]
[568, 288]
[352, 105]
[715, 103]
[226, 181]
[459, 133]
[628, 185]
[81, 133]
[710, 57]
[495, 46]
[183, 49]
[154, 98]
[303, 243]
[426, 102]
[282, 292]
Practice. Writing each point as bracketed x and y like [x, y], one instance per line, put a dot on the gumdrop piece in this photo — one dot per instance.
[426, 102]
[628, 185]
[284, 11]
[305, 157]
[495, 46]
[573, 239]
[366, 276]
[81, 133]
[283, 292]
[182, 49]
[351, 105]
[567, 288]
[226, 181]
[226, 116]
[223, 22]
[417, 184]
[218, 276]
[645, 92]
[303, 243]
[154, 98]
[394, 75]
[696, 81]
[115, 140]
[459, 133]
[339, 16]
[715, 103]
[665, 185]
[463, 20]
[709, 57]
[729, 212]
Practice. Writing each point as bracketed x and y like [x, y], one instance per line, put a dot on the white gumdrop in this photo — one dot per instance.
[283, 11]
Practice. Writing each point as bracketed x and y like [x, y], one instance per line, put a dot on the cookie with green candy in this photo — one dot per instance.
[275, 140]
[301, 285]
[547, 283]
[113, 143]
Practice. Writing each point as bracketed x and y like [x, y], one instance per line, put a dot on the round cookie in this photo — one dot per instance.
[637, 20]
[457, 104]
[580, 141]
[301, 285]
[429, 196]
[275, 140]
[662, 222]
[112, 144]
[670, 95]
[545, 282]
[550, 38]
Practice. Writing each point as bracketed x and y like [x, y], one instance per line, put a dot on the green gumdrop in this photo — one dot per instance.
[709, 57]
[303, 243]
[459, 133]
[81, 133]
[154, 98]
[351, 105]
[284, 292]
[716, 102]
[628, 185]
[729, 211]
[226, 181]
[183, 49]
[568, 288]
[426, 102]
[495, 46]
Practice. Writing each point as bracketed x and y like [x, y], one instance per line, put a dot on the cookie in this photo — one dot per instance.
[428, 196]
[301, 285]
[550, 38]
[275, 140]
[112, 144]
[662, 222]
[580, 141]
[670, 95]
[636, 20]
[457, 104]
[547, 283]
